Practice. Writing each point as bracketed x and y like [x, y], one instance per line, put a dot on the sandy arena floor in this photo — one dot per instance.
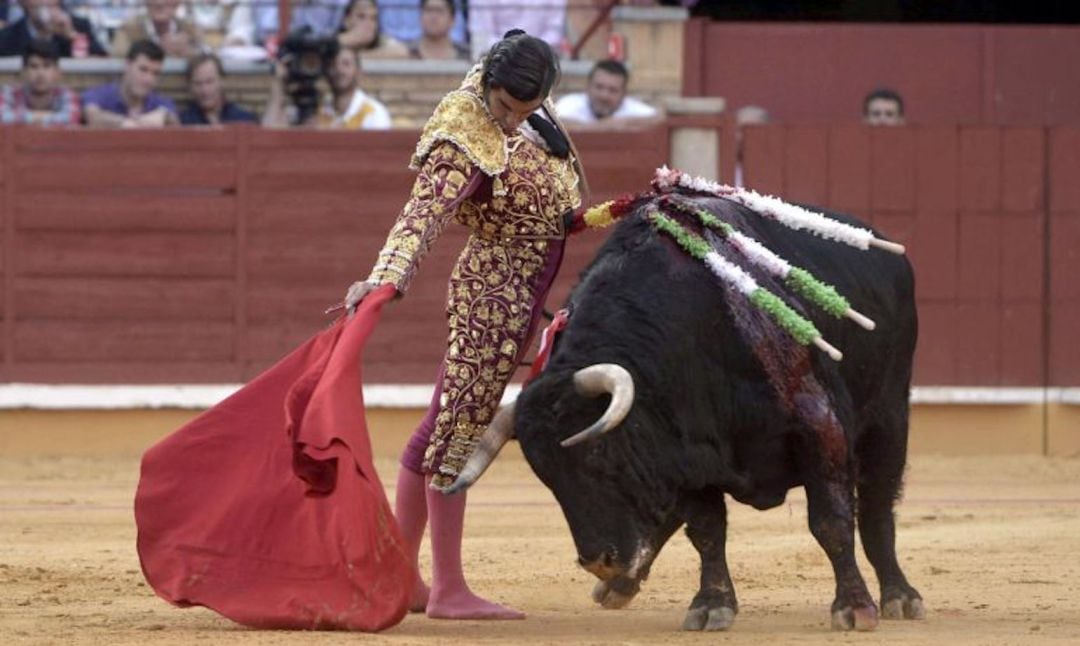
[993, 545]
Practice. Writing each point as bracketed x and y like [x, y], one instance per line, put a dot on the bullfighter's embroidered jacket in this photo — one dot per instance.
[512, 194]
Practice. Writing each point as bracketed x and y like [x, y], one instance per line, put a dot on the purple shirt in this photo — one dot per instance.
[108, 98]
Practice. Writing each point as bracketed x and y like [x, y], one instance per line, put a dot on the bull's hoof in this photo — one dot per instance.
[903, 607]
[860, 618]
[604, 594]
[705, 618]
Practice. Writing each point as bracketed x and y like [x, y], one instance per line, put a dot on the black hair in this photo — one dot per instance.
[43, 48]
[196, 61]
[523, 65]
[449, 3]
[147, 48]
[883, 93]
[611, 66]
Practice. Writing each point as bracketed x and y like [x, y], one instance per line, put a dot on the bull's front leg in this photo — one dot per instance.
[714, 606]
[829, 484]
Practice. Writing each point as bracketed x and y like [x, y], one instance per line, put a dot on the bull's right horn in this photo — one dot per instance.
[599, 379]
[491, 442]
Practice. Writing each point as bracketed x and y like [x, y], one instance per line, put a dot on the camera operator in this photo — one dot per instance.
[294, 99]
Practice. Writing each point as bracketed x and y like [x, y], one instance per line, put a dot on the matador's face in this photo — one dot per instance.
[507, 111]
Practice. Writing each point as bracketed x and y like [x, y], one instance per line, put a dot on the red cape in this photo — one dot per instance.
[267, 508]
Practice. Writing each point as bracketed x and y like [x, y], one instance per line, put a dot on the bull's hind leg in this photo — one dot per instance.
[882, 455]
[830, 501]
[831, 510]
[714, 606]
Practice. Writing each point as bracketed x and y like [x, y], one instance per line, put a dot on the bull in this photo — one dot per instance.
[685, 397]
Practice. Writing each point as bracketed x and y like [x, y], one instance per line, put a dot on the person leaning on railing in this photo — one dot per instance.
[133, 101]
[604, 103]
[40, 98]
[208, 105]
[347, 107]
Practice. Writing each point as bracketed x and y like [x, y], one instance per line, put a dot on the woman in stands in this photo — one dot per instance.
[360, 29]
[512, 183]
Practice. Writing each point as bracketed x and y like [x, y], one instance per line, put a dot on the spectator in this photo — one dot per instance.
[159, 23]
[208, 105]
[489, 20]
[224, 23]
[324, 17]
[347, 107]
[40, 98]
[133, 102]
[48, 19]
[436, 19]
[604, 101]
[105, 16]
[883, 107]
[360, 29]
[401, 19]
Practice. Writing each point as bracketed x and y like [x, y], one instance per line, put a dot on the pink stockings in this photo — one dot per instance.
[449, 596]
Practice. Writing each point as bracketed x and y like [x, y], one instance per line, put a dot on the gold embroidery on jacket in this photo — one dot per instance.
[490, 304]
[491, 291]
[462, 118]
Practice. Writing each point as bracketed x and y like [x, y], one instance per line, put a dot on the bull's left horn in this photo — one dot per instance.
[597, 380]
[491, 442]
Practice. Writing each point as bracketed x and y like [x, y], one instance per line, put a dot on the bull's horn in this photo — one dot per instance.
[597, 380]
[491, 442]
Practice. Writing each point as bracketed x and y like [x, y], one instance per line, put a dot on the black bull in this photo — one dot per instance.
[706, 420]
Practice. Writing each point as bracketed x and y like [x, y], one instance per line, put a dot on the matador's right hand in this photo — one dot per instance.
[356, 293]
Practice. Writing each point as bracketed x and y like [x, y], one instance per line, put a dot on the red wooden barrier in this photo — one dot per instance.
[970, 203]
[202, 256]
[819, 73]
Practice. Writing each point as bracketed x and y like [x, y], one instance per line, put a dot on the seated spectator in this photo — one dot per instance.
[133, 102]
[490, 19]
[48, 19]
[346, 108]
[40, 98]
[604, 101]
[208, 105]
[436, 19]
[883, 107]
[400, 19]
[360, 29]
[324, 17]
[224, 23]
[159, 23]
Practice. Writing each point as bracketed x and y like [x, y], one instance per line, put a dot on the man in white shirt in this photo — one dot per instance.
[347, 107]
[604, 101]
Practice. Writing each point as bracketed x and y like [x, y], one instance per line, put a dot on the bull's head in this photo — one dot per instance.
[600, 379]
[616, 525]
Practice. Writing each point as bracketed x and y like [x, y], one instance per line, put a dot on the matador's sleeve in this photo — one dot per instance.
[446, 178]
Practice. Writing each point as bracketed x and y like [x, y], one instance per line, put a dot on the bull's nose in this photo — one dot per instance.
[603, 567]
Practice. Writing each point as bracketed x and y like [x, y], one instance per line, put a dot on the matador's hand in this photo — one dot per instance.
[357, 292]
